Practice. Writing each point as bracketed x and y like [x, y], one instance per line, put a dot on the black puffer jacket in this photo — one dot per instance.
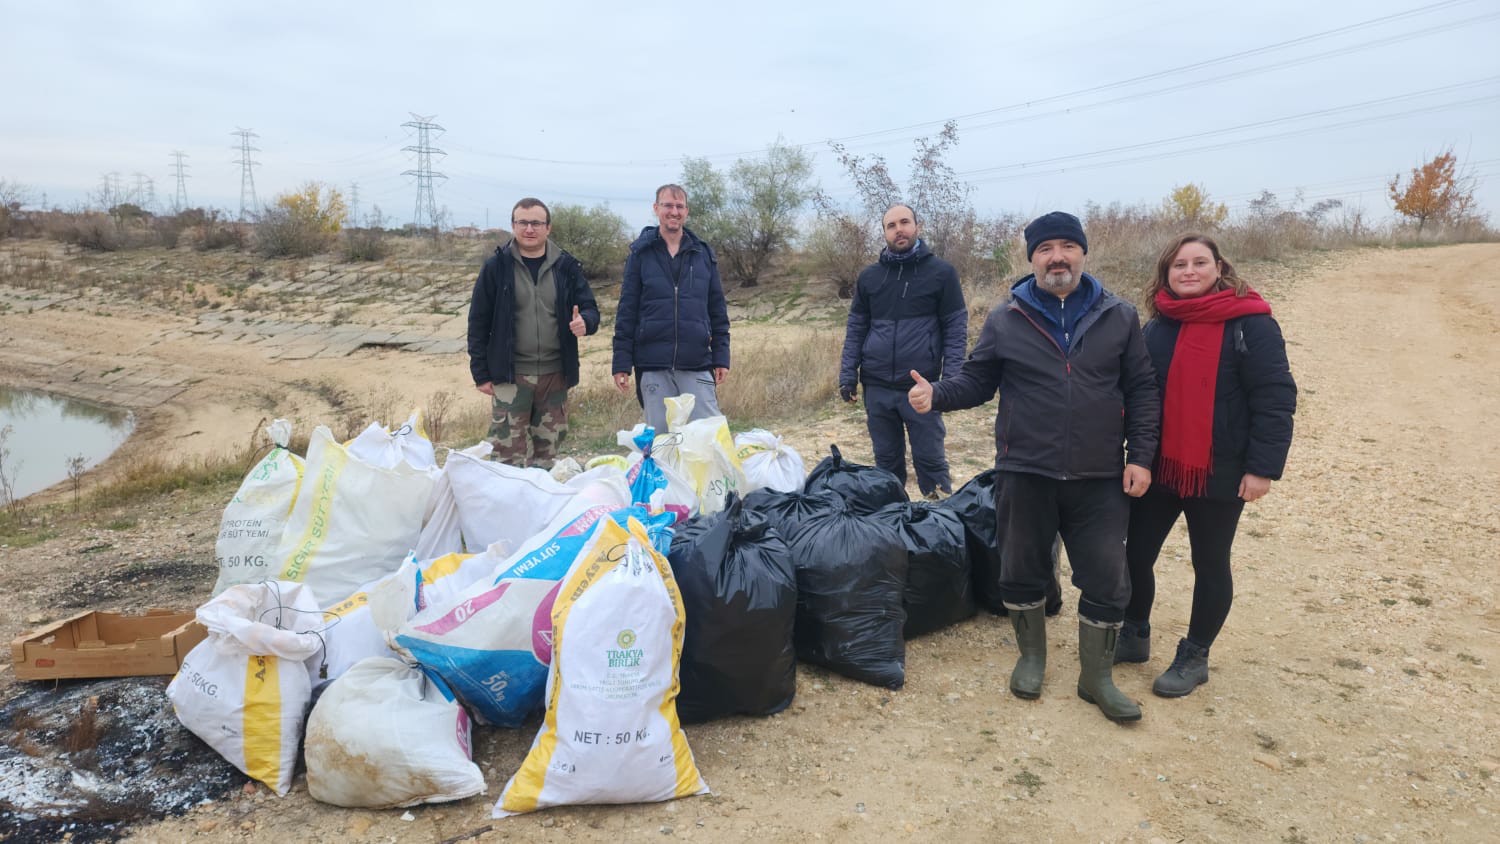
[1254, 398]
[1063, 415]
[671, 322]
[492, 317]
[908, 313]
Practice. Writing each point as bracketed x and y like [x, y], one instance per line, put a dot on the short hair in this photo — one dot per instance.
[530, 202]
[674, 188]
[893, 206]
[1228, 278]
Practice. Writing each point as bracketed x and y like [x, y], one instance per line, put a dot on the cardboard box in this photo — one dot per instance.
[107, 644]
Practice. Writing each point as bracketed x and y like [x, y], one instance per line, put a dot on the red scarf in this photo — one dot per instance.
[1187, 416]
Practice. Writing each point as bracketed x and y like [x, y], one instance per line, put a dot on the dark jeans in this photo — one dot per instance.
[1211, 526]
[892, 421]
[1089, 515]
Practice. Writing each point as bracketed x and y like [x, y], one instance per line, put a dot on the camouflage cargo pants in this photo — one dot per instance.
[532, 413]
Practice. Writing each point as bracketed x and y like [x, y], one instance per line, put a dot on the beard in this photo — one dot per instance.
[1058, 281]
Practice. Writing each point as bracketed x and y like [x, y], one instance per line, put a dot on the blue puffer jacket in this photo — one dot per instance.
[908, 313]
[671, 323]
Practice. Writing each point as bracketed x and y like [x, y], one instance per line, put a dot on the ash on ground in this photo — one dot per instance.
[91, 757]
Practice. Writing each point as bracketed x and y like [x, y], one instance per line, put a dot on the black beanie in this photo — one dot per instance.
[1051, 226]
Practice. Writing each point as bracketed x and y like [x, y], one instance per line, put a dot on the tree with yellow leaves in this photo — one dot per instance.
[1191, 204]
[301, 223]
[1436, 191]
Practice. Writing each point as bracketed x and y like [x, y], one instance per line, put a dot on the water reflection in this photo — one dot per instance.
[47, 431]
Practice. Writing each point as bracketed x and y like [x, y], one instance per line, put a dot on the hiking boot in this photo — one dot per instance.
[1134, 644]
[1096, 660]
[1189, 671]
[936, 494]
[1031, 639]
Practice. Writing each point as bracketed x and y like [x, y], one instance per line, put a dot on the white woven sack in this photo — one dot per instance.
[251, 527]
[353, 522]
[384, 735]
[244, 690]
[611, 733]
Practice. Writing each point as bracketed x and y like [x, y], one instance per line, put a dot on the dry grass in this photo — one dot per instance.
[85, 731]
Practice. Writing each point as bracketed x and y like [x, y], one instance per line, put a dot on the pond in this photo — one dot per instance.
[44, 435]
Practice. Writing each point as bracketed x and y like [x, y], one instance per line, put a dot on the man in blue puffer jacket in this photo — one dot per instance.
[672, 326]
[908, 314]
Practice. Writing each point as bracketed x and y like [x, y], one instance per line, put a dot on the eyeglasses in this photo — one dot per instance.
[529, 224]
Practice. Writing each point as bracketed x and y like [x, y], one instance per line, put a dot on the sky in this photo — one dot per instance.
[1057, 104]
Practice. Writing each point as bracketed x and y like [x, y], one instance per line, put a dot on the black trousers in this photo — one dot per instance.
[1211, 526]
[1090, 516]
[892, 421]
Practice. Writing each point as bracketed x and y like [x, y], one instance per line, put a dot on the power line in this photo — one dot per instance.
[1243, 142]
[1135, 80]
[1239, 128]
[247, 173]
[426, 205]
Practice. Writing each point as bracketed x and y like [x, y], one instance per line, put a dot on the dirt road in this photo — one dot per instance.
[1353, 692]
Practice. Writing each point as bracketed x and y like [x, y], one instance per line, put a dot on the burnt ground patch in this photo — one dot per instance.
[159, 583]
[91, 757]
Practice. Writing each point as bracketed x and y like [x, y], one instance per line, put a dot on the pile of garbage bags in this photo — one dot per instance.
[372, 605]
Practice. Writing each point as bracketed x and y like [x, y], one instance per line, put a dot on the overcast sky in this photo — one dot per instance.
[1058, 103]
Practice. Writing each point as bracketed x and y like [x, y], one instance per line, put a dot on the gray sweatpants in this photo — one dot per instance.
[658, 385]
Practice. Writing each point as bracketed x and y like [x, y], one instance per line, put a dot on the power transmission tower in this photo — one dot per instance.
[247, 173]
[110, 191]
[426, 205]
[179, 200]
[353, 204]
[144, 191]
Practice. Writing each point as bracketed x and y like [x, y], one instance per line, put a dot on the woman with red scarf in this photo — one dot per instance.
[1227, 404]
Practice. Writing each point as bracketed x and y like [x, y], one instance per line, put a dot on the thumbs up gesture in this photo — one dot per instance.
[577, 325]
[920, 395]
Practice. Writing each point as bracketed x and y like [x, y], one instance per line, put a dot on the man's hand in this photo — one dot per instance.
[577, 325]
[487, 388]
[721, 374]
[622, 381]
[848, 392]
[1254, 486]
[1137, 480]
[920, 395]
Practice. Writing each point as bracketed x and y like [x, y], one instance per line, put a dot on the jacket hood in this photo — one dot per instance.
[915, 254]
[1026, 291]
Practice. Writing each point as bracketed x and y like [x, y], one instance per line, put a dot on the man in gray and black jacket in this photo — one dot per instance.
[1075, 436]
[907, 315]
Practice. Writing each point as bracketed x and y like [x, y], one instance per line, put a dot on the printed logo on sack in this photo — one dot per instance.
[627, 655]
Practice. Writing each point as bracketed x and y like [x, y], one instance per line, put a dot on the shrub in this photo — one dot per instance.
[596, 236]
[300, 224]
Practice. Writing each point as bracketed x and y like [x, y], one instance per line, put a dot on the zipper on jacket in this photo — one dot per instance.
[1067, 383]
[896, 323]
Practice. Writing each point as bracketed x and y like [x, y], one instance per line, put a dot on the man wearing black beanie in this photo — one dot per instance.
[1075, 435]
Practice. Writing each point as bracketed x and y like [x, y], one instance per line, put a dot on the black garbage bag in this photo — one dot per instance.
[851, 571]
[786, 511]
[740, 593]
[974, 502]
[939, 582]
[864, 488]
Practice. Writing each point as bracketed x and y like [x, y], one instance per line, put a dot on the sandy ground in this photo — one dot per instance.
[1353, 693]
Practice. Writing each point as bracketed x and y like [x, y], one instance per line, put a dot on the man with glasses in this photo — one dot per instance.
[672, 327]
[531, 303]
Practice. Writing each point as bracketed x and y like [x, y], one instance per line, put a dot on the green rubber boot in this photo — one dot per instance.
[1030, 623]
[1096, 659]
